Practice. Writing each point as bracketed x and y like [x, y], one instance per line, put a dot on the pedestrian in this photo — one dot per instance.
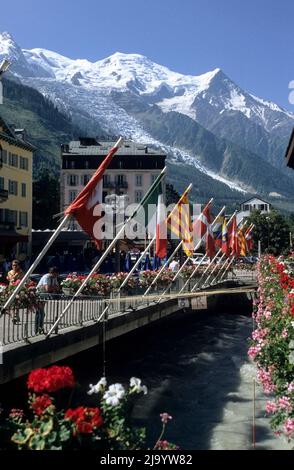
[48, 284]
[16, 273]
[174, 265]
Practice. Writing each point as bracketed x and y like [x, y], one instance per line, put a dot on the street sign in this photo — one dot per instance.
[183, 303]
[199, 303]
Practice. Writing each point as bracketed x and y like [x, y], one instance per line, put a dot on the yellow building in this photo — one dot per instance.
[16, 174]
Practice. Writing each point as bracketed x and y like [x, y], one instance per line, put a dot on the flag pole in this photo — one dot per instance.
[174, 253]
[221, 258]
[233, 257]
[43, 252]
[207, 268]
[109, 248]
[152, 241]
[35, 263]
[197, 246]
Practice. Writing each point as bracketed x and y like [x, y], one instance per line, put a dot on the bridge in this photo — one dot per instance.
[92, 321]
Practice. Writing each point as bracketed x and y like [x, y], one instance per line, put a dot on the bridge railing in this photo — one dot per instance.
[18, 325]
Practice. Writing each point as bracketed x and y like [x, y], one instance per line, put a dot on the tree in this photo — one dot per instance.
[46, 194]
[272, 230]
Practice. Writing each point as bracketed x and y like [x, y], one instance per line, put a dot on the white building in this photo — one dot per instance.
[131, 172]
[255, 203]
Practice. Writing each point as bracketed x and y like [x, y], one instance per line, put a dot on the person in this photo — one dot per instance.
[48, 284]
[174, 265]
[16, 273]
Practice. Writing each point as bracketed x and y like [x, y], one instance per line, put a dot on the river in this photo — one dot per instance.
[196, 368]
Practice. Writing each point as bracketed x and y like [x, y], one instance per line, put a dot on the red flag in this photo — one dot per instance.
[161, 239]
[234, 240]
[249, 239]
[206, 228]
[82, 208]
[201, 223]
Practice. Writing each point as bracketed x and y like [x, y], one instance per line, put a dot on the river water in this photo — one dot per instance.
[196, 368]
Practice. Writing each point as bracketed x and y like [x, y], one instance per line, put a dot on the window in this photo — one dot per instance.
[72, 195]
[246, 207]
[139, 179]
[8, 217]
[13, 159]
[1, 182]
[23, 163]
[72, 164]
[72, 180]
[12, 187]
[138, 196]
[4, 156]
[23, 219]
[85, 179]
[119, 180]
[23, 189]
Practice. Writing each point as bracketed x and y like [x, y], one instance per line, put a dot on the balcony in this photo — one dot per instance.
[108, 185]
[3, 195]
[121, 184]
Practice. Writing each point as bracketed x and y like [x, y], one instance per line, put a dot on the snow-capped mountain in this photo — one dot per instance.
[228, 131]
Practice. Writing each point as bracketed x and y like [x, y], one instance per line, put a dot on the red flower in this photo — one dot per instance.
[50, 380]
[41, 403]
[85, 419]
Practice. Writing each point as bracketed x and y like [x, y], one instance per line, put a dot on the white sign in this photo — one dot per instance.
[183, 303]
[199, 303]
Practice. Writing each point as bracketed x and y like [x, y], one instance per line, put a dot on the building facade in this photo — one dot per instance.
[16, 167]
[131, 172]
[255, 203]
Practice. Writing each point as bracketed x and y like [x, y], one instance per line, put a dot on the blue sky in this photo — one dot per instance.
[251, 41]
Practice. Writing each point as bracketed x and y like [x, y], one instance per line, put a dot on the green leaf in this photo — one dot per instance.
[22, 436]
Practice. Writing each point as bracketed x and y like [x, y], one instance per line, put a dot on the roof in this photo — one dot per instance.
[289, 155]
[102, 148]
[255, 197]
[9, 136]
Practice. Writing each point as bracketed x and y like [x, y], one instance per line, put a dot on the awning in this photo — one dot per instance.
[11, 236]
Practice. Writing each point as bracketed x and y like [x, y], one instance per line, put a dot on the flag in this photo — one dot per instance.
[234, 242]
[82, 207]
[161, 235]
[242, 242]
[225, 240]
[217, 231]
[249, 239]
[179, 222]
[210, 245]
[201, 223]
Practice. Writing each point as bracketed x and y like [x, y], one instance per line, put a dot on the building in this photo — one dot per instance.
[16, 165]
[289, 156]
[131, 172]
[254, 203]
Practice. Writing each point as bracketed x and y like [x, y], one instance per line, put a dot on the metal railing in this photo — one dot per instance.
[23, 325]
